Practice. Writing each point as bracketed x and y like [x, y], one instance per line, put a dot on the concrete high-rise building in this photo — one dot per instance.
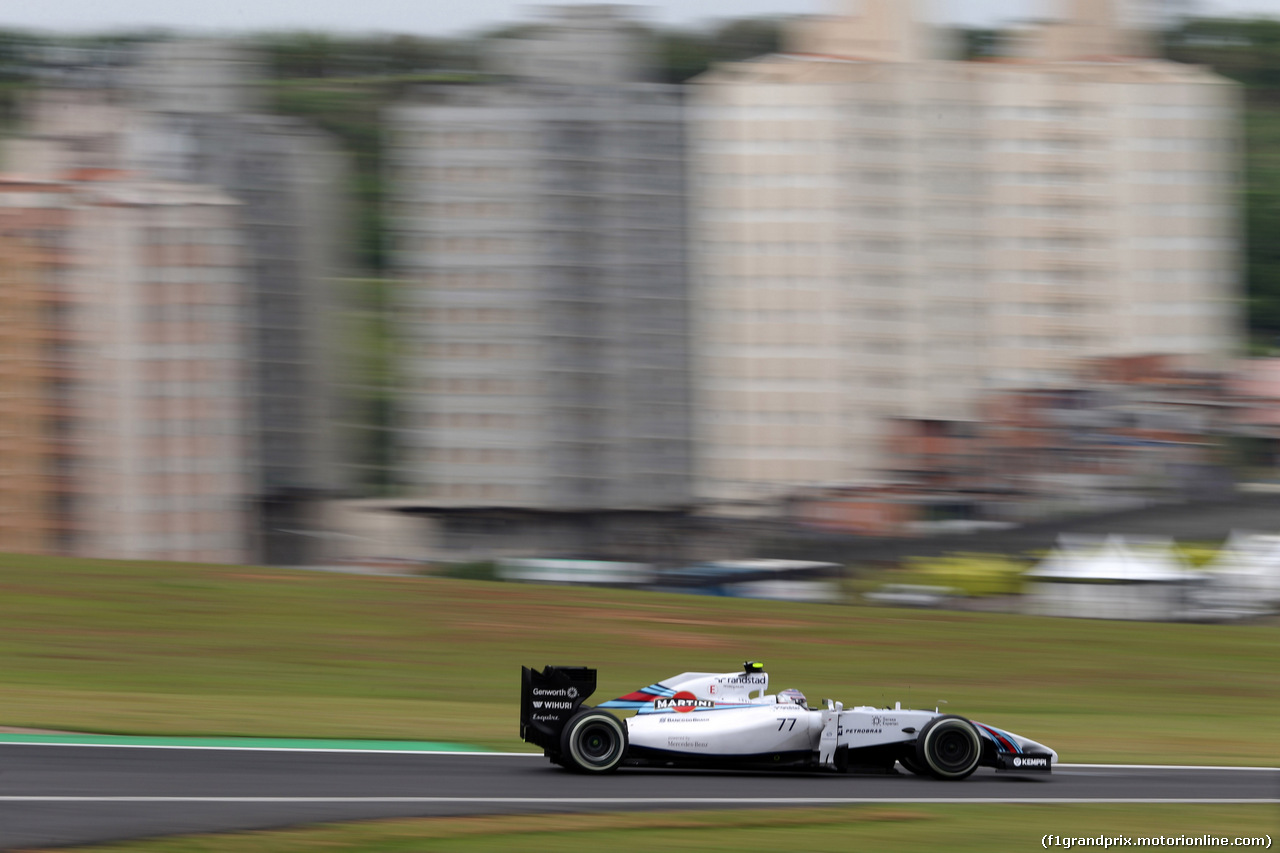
[124, 425]
[288, 181]
[878, 235]
[29, 379]
[183, 111]
[540, 230]
[204, 125]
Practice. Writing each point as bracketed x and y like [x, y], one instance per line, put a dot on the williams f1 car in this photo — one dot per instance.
[703, 719]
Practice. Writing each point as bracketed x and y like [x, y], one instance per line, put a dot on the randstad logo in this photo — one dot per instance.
[743, 679]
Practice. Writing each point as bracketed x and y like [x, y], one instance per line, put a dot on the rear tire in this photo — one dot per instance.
[949, 746]
[593, 742]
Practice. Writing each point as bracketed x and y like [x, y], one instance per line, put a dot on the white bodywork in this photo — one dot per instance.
[721, 715]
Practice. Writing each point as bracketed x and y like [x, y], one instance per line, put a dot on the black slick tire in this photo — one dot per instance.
[593, 742]
[950, 747]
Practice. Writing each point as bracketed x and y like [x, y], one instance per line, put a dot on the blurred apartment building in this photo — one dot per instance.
[879, 235]
[1255, 387]
[1124, 432]
[184, 112]
[540, 239]
[122, 430]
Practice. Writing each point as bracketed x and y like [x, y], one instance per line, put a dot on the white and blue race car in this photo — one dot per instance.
[704, 719]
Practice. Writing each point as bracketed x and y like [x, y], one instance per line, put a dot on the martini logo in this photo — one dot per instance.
[684, 702]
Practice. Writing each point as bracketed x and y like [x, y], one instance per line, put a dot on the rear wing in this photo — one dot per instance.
[549, 698]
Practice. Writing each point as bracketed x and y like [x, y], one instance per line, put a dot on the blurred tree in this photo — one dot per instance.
[320, 56]
[1262, 222]
[511, 31]
[15, 46]
[683, 54]
[748, 37]
[369, 381]
[1248, 51]
[409, 54]
[15, 72]
[974, 44]
[303, 54]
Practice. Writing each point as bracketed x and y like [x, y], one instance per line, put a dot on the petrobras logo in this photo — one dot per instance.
[554, 706]
[571, 692]
[684, 702]
[1019, 761]
[759, 680]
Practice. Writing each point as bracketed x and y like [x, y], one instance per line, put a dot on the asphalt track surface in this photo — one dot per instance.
[55, 795]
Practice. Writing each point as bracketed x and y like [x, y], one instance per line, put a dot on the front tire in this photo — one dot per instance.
[593, 742]
[949, 746]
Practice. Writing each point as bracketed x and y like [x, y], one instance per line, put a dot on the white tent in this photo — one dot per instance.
[1244, 578]
[1112, 578]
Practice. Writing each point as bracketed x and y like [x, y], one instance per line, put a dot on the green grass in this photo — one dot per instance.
[953, 828]
[138, 648]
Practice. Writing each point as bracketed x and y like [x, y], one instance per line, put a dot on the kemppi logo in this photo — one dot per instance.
[1019, 761]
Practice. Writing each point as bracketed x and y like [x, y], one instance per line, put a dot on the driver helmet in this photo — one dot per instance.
[793, 697]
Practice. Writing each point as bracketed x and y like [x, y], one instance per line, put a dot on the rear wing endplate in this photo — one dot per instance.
[549, 698]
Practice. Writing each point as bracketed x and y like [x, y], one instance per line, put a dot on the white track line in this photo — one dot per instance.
[1168, 767]
[329, 749]
[684, 801]
[4, 742]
